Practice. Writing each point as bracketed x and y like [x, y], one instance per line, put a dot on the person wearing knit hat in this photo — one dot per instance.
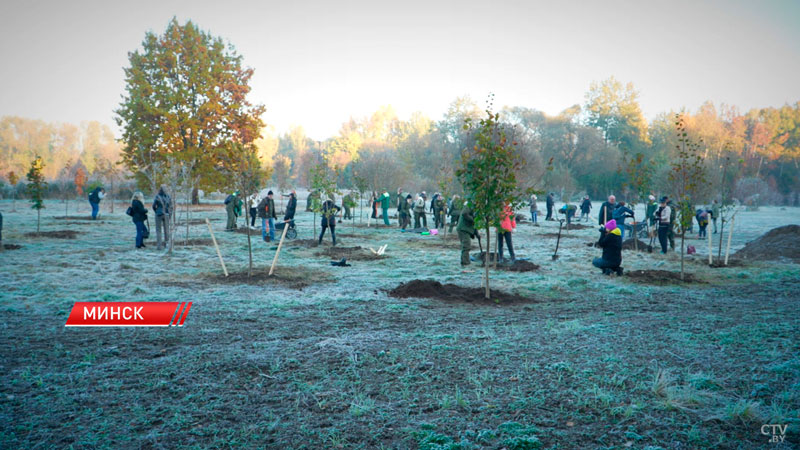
[650, 208]
[611, 243]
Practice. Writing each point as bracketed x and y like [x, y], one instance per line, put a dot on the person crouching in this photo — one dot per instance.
[611, 243]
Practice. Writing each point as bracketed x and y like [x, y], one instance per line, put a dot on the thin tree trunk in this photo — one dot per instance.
[38, 219]
[486, 263]
[249, 244]
[721, 234]
[683, 239]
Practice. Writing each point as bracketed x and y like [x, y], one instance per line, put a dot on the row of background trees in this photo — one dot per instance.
[186, 122]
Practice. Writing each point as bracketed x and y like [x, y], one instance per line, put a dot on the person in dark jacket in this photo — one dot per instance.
[94, 200]
[702, 222]
[405, 212]
[329, 211]
[611, 243]
[550, 203]
[267, 214]
[291, 207]
[139, 215]
[586, 208]
[607, 210]
[663, 216]
[162, 207]
[621, 212]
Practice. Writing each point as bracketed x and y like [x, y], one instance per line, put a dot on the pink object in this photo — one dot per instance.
[611, 224]
[508, 223]
[434, 231]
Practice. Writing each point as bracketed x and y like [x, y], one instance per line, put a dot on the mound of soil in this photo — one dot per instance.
[456, 294]
[290, 277]
[643, 246]
[90, 222]
[241, 230]
[660, 277]
[350, 253]
[721, 264]
[12, 246]
[58, 234]
[519, 266]
[778, 243]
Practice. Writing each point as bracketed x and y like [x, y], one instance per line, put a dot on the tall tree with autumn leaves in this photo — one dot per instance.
[185, 108]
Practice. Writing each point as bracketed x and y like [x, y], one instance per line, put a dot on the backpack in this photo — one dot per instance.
[129, 211]
[228, 199]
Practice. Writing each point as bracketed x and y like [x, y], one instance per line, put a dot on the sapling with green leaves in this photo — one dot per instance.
[639, 174]
[688, 177]
[488, 172]
[36, 188]
[13, 179]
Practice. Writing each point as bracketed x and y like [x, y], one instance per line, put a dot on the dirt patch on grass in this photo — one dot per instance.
[643, 246]
[555, 235]
[519, 266]
[454, 293]
[778, 243]
[661, 277]
[90, 222]
[717, 264]
[243, 230]
[73, 218]
[576, 226]
[57, 234]
[196, 222]
[195, 242]
[350, 253]
[290, 277]
[11, 246]
[307, 243]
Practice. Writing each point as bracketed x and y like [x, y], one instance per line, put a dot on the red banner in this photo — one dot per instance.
[128, 314]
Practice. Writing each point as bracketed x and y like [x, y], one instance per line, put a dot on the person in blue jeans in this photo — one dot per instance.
[534, 209]
[138, 215]
[94, 200]
[621, 212]
[267, 214]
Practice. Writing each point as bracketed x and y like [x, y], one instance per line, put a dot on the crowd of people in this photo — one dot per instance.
[453, 213]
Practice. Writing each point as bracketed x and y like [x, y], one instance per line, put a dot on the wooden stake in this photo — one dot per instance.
[730, 235]
[710, 248]
[216, 247]
[280, 244]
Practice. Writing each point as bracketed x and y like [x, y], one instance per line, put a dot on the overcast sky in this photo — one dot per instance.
[318, 63]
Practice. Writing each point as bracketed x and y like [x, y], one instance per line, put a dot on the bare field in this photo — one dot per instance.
[325, 357]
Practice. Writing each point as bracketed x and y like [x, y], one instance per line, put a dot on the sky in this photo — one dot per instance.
[317, 63]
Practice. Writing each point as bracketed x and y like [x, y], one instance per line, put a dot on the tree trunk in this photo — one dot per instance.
[721, 233]
[38, 219]
[486, 264]
[315, 225]
[195, 196]
[249, 244]
[683, 239]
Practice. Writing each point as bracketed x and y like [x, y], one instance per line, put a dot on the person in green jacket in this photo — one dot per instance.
[385, 200]
[455, 211]
[348, 204]
[466, 231]
[233, 207]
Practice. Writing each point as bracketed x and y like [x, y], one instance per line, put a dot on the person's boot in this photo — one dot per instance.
[619, 271]
[606, 271]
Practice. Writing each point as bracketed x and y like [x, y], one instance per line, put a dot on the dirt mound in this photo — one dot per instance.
[291, 277]
[58, 234]
[241, 230]
[90, 222]
[351, 253]
[453, 293]
[661, 277]
[643, 246]
[12, 246]
[778, 243]
[519, 266]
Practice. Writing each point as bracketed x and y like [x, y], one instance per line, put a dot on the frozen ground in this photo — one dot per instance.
[590, 362]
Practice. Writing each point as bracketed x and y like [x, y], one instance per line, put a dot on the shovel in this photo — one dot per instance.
[558, 240]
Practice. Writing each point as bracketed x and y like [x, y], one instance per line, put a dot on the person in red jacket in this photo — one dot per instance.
[507, 226]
